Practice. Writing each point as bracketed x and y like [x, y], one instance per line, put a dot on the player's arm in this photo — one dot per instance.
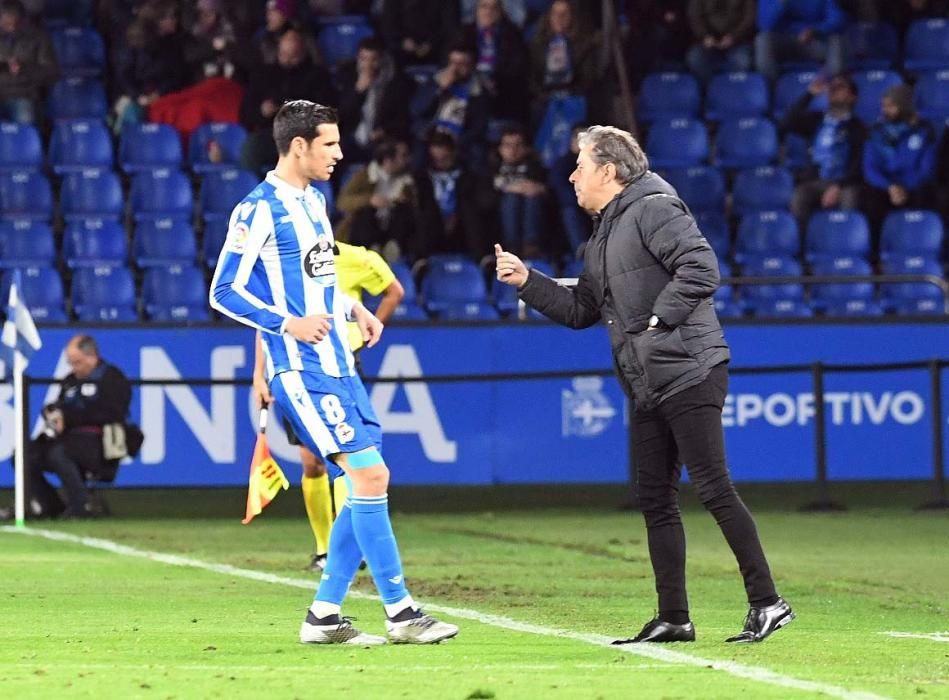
[390, 300]
[262, 395]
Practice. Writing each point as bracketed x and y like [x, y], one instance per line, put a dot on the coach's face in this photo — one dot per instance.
[590, 181]
[319, 160]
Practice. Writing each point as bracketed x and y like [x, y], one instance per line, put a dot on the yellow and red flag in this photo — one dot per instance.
[266, 477]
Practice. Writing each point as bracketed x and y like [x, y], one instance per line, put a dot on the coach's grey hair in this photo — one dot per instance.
[86, 344]
[612, 145]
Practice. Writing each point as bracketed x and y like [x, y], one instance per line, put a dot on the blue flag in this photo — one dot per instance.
[19, 332]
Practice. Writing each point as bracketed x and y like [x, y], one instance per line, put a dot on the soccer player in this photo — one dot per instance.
[277, 273]
[358, 270]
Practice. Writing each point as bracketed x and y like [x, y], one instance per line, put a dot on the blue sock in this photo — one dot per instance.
[377, 542]
[342, 560]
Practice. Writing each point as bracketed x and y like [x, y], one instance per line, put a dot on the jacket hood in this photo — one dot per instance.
[646, 184]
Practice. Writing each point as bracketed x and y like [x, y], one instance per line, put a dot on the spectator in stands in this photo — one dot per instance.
[451, 205]
[563, 56]
[379, 203]
[833, 179]
[372, 101]
[415, 29]
[457, 103]
[659, 34]
[519, 192]
[796, 30]
[902, 13]
[501, 61]
[899, 157]
[213, 49]
[280, 18]
[27, 64]
[576, 224]
[514, 10]
[293, 76]
[723, 30]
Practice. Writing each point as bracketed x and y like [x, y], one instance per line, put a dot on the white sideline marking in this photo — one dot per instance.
[656, 653]
[933, 637]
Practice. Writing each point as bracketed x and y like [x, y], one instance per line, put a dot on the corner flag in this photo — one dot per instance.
[19, 332]
[266, 477]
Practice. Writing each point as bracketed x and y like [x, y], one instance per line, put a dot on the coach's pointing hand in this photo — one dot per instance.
[310, 329]
[511, 270]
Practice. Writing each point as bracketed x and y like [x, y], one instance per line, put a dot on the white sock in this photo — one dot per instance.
[393, 609]
[323, 609]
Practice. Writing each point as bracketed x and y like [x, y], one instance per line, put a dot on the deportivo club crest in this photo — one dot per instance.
[586, 411]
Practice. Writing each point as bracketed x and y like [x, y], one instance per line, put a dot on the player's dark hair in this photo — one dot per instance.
[514, 129]
[300, 118]
[371, 43]
[386, 148]
[442, 139]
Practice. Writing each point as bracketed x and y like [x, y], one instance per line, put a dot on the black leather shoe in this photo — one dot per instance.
[762, 622]
[661, 631]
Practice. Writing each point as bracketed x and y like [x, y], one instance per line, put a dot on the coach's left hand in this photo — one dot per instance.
[370, 326]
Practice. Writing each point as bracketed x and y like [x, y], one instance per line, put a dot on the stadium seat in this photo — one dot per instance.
[927, 45]
[409, 312]
[80, 145]
[92, 242]
[847, 299]
[726, 303]
[872, 46]
[220, 193]
[212, 242]
[714, 226]
[702, 187]
[161, 193]
[452, 280]
[572, 268]
[871, 85]
[797, 152]
[504, 296]
[765, 233]
[26, 243]
[25, 195]
[837, 234]
[738, 94]
[149, 146]
[669, 96]
[913, 298]
[58, 14]
[104, 293]
[765, 188]
[20, 147]
[677, 143]
[912, 232]
[746, 143]
[790, 87]
[42, 291]
[339, 37]
[175, 293]
[229, 138]
[932, 96]
[91, 194]
[470, 311]
[77, 98]
[80, 52]
[784, 300]
[161, 242]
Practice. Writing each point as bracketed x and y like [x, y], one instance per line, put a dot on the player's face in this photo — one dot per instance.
[324, 153]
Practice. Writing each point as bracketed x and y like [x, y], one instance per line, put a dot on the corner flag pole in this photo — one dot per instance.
[19, 364]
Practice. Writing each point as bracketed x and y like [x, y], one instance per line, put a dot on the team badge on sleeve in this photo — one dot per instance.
[237, 237]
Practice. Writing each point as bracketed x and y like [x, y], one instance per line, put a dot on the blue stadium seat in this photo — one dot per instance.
[572, 268]
[714, 226]
[702, 187]
[505, 296]
[785, 300]
[837, 234]
[77, 98]
[725, 299]
[738, 94]
[212, 242]
[872, 46]
[220, 193]
[229, 137]
[912, 232]
[677, 143]
[80, 52]
[746, 143]
[25, 195]
[20, 147]
[91, 194]
[409, 312]
[765, 233]
[927, 45]
[42, 291]
[452, 280]
[161, 242]
[339, 37]
[850, 299]
[104, 293]
[913, 298]
[161, 193]
[797, 152]
[149, 146]
[95, 242]
[871, 85]
[80, 145]
[668, 96]
[932, 96]
[175, 293]
[59, 14]
[470, 311]
[765, 188]
[26, 243]
[790, 87]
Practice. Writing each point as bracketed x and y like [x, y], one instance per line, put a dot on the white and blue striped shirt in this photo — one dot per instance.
[277, 263]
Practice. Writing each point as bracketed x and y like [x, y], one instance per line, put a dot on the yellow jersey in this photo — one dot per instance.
[360, 270]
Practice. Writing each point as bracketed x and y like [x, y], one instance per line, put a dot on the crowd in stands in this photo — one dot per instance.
[131, 127]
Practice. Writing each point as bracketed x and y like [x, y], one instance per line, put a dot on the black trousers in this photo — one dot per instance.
[687, 429]
[70, 457]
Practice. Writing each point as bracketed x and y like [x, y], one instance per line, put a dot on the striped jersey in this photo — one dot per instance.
[277, 263]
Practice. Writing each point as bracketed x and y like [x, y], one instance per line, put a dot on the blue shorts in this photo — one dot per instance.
[329, 414]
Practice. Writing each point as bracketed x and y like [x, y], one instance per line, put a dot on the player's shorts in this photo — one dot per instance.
[329, 414]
